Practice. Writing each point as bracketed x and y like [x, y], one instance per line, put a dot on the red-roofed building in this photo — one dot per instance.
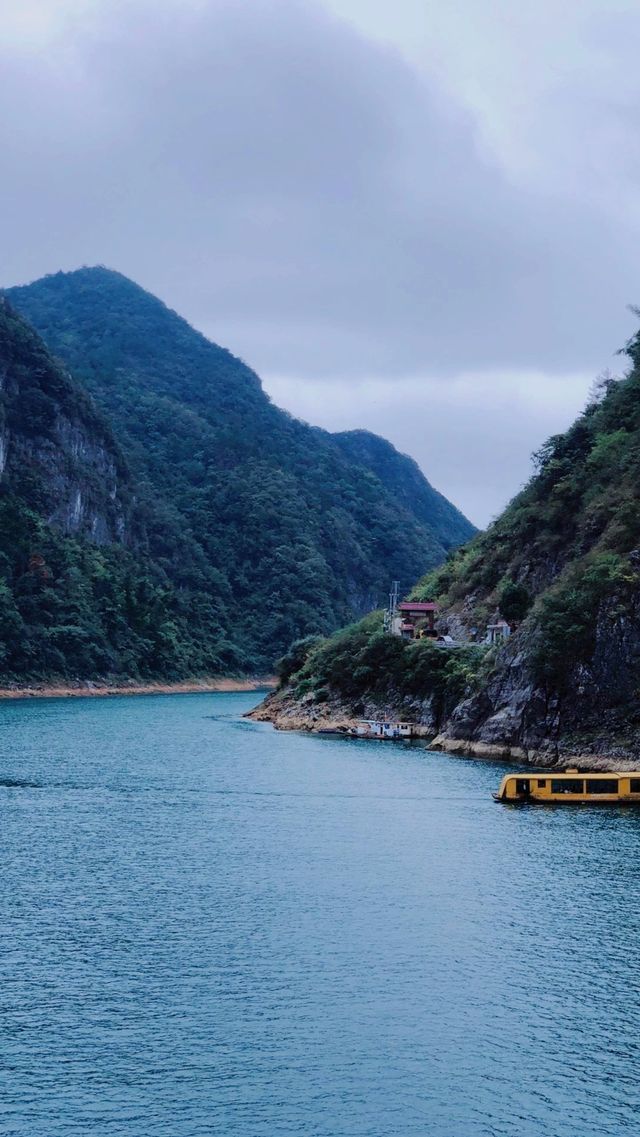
[417, 618]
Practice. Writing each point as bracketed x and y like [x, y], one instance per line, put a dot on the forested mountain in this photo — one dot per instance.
[562, 567]
[261, 528]
[402, 477]
[78, 597]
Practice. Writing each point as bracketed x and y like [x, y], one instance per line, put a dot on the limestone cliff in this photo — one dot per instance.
[78, 596]
[55, 448]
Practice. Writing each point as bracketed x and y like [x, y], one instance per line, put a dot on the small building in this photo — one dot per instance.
[498, 633]
[377, 728]
[416, 619]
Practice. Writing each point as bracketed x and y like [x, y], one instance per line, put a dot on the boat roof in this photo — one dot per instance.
[387, 722]
[574, 774]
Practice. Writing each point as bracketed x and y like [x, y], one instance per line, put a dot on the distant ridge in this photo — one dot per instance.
[402, 476]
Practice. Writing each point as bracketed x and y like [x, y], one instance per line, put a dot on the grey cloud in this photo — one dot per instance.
[301, 195]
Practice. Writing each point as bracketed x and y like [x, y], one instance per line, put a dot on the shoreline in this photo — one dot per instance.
[100, 690]
[298, 719]
[533, 759]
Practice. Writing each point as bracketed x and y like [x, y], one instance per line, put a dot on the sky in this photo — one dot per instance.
[420, 219]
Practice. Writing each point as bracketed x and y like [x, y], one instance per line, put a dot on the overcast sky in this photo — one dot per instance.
[419, 218]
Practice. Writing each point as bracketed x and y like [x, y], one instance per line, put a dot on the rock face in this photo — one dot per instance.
[562, 567]
[55, 449]
[509, 712]
[79, 599]
[287, 712]
[592, 711]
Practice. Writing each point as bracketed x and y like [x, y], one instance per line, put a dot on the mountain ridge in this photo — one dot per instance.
[267, 528]
[402, 472]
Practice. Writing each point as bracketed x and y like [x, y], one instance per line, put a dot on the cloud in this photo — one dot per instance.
[554, 109]
[274, 173]
[312, 198]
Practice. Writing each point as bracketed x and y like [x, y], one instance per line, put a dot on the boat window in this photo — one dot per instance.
[634, 787]
[542, 783]
[602, 785]
[567, 786]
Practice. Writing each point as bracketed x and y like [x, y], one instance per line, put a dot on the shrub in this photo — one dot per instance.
[566, 617]
[514, 602]
[296, 657]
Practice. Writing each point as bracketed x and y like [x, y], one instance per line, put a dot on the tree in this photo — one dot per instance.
[514, 603]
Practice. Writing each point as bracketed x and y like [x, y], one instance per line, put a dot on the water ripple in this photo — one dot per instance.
[212, 930]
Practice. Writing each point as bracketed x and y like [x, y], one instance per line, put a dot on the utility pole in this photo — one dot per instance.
[392, 610]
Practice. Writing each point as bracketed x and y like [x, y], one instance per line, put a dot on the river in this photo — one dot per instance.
[208, 927]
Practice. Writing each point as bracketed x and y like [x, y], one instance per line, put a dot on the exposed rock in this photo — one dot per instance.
[286, 712]
[55, 448]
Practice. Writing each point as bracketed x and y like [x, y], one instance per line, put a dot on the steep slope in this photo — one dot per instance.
[405, 480]
[78, 597]
[240, 502]
[54, 445]
[562, 567]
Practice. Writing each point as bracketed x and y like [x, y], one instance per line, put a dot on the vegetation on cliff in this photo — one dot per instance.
[562, 566]
[72, 609]
[566, 543]
[78, 597]
[362, 662]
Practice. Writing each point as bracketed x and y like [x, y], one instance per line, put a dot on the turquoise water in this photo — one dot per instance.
[208, 927]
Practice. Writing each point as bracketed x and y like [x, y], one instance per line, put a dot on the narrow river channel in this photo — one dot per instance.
[208, 927]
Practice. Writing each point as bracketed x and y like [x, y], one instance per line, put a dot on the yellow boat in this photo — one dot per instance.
[571, 788]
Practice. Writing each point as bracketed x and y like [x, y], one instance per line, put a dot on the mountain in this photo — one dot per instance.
[78, 597]
[561, 567]
[264, 529]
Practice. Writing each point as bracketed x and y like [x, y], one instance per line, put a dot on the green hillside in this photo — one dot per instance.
[266, 528]
[565, 544]
[561, 566]
[402, 477]
[78, 596]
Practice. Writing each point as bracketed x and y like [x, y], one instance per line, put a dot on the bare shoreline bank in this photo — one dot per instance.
[89, 689]
[533, 759]
[549, 759]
